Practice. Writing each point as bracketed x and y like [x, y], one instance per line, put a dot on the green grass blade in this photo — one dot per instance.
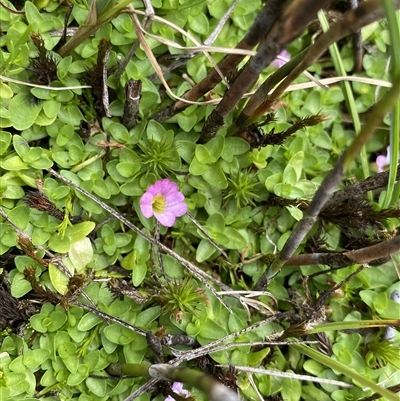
[346, 371]
[347, 92]
[393, 191]
[353, 325]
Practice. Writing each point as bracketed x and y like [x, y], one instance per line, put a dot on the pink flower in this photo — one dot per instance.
[283, 58]
[163, 201]
[383, 161]
[178, 389]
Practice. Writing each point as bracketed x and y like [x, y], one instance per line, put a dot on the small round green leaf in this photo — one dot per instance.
[24, 108]
[58, 279]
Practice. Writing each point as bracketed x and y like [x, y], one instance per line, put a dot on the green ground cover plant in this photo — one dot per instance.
[179, 206]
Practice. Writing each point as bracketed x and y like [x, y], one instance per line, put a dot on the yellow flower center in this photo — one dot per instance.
[158, 203]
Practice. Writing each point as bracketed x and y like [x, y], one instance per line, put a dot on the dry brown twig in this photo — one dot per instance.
[54, 259]
[11, 10]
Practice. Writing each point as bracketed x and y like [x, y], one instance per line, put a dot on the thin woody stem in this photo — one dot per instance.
[93, 23]
[262, 92]
[290, 24]
[196, 353]
[107, 317]
[262, 24]
[276, 373]
[208, 42]
[146, 23]
[352, 21]
[361, 188]
[215, 390]
[55, 260]
[198, 273]
[133, 93]
[12, 11]
[201, 228]
[363, 255]
[329, 184]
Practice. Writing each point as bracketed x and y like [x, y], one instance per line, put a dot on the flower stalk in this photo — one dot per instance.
[215, 390]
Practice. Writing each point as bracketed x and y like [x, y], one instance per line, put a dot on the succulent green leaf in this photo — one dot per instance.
[24, 108]
[58, 279]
